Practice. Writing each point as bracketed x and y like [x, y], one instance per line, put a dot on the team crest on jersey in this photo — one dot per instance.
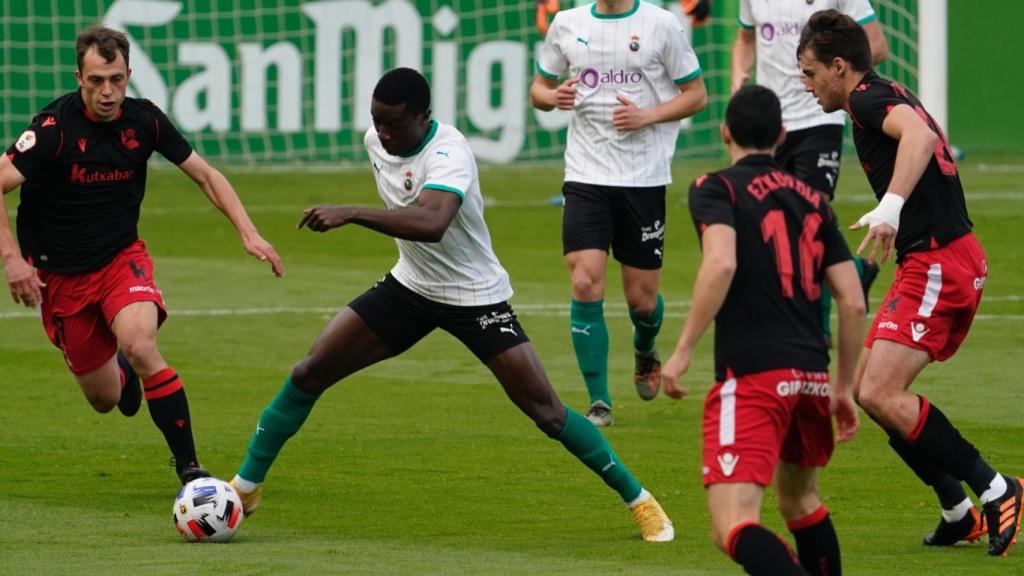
[26, 141]
[128, 139]
[634, 43]
[408, 181]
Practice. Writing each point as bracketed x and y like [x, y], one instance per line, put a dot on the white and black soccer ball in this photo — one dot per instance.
[207, 510]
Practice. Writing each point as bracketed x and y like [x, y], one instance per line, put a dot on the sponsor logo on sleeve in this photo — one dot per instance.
[26, 141]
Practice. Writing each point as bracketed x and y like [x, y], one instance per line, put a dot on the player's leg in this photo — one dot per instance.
[521, 375]
[638, 243]
[807, 519]
[736, 530]
[135, 325]
[586, 236]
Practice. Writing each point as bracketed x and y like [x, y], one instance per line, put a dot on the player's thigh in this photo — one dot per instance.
[639, 236]
[526, 384]
[74, 322]
[587, 217]
[744, 422]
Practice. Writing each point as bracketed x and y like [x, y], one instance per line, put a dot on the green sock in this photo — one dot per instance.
[859, 263]
[279, 422]
[646, 328]
[590, 341]
[586, 443]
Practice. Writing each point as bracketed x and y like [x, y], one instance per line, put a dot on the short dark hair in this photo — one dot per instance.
[404, 86]
[754, 117]
[108, 43]
[831, 34]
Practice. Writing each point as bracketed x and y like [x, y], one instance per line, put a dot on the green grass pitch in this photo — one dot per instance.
[420, 465]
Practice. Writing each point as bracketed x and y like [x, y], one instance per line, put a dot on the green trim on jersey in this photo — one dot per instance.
[688, 77]
[443, 188]
[744, 25]
[867, 19]
[593, 12]
[427, 139]
[546, 74]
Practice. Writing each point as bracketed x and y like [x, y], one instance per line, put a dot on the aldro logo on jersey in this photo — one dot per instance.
[592, 77]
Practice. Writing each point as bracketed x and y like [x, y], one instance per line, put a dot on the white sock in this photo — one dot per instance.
[245, 485]
[641, 498]
[996, 489]
[957, 513]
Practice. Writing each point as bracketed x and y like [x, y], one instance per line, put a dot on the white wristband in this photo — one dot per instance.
[887, 212]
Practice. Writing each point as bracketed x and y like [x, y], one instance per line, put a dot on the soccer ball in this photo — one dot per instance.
[207, 510]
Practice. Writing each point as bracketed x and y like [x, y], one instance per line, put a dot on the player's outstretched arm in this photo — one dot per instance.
[744, 54]
[845, 285]
[717, 267]
[223, 196]
[876, 39]
[425, 222]
[692, 98]
[22, 279]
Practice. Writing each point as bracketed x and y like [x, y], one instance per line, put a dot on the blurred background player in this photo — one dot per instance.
[631, 77]
[769, 241]
[940, 276]
[81, 166]
[447, 277]
[768, 34]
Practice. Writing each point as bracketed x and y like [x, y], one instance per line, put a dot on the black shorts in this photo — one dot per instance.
[401, 318]
[629, 220]
[813, 155]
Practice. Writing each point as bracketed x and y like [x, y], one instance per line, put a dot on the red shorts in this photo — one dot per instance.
[933, 298]
[78, 309]
[753, 421]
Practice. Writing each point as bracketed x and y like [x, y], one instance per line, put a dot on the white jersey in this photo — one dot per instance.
[461, 269]
[642, 55]
[777, 25]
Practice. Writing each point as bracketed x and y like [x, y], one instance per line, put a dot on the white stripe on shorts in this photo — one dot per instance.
[727, 415]
[931, 291]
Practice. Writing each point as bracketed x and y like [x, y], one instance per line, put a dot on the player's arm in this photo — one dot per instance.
[845, 285]
[717, 268]
[425, 222]
[24, 283]
[744, 54]
[222, 195]
[876, 39]
[692, 98]
[916, 147]
[547, 93]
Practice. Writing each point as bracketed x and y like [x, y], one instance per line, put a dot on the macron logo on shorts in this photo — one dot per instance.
[728, 462]
[917, 331]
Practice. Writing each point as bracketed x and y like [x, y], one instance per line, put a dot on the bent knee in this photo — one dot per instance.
[102, 402]
[309, 376]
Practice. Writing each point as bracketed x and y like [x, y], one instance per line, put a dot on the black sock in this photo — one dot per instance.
[762, 553]
[941, 442]
[947, 488]
[817, 544]
[170, 414]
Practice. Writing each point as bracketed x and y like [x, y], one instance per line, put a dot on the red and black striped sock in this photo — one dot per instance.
[168, 407]
[816, 543]
[762, 553]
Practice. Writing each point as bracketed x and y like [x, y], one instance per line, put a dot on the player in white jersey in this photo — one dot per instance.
[768, 35]
[630, 77]
[447, 277]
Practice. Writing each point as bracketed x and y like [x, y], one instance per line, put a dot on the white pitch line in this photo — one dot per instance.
[526, 308]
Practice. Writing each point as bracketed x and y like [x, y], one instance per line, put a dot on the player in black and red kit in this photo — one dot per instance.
[940, 276]
[769, 241]
[81, 166]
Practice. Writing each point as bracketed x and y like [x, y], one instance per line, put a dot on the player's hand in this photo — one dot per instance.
[629, 117]
[324, 217]
[22, 279]
[844, 409]
[261, 249]
[672, 370]
[565, 94]
[883, 223]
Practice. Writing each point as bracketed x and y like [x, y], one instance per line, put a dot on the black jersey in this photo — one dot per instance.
[85, 180]
[786, 235]
[936, 213]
